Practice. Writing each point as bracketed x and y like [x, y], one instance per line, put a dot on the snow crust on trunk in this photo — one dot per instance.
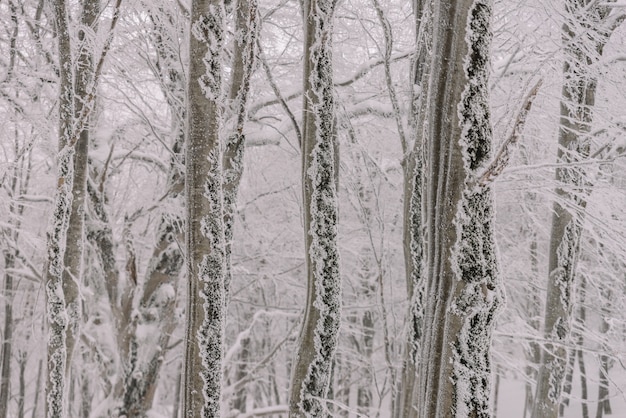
[478, 295]
[416, 319]
[205, 234]
[247, 29]
[323, 212]
[57, 314]
[210, 335]
[209, 29]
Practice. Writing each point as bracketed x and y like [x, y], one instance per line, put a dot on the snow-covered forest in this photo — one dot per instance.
[311, 208]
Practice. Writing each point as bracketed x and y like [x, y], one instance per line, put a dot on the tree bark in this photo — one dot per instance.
[463, 291]
[204, 337]
[72, 260]
[7, 335]
[311, 372]
[604, 402]
[246, 27]
[413, 237]
[577, 102]
[77, 85]
[55, 298]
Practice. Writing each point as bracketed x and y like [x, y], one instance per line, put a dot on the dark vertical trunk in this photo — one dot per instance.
[310, 377]
[604, 403]
[239, 402]
[246, 28]
[405, 406]
[22, 385]
[55, 298]
[7, 335]
[568, 382]
[579, 341]
[72, 274]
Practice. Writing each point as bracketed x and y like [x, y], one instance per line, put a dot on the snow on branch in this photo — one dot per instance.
[361, 72]
[501, 159]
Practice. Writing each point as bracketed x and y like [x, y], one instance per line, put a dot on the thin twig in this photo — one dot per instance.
[501, 159]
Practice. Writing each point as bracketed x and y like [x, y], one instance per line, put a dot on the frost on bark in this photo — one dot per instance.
[246, 32]
[311, 372]
[204, 336]
[77, 85]
[55, 238]
[462, 291]
[243, 65]
[588, 21]
[73, 257]
[413, 236]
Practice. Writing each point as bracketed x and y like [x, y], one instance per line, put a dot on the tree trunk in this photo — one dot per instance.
[57, 315]
[533, 308]
[310, 378]
[204, 337]
[7, 335]
[413, 237]
[65, 235]
[22, 385]
[604, 402]
[243, 66]
[463, 291]
[246, 27]
[577, 102]
[72, 260]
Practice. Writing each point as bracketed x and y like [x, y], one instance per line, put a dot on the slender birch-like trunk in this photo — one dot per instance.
[413, 237]
[73, 257]
[204, 338]
[311, 371]
[243, 65]
[577, 103]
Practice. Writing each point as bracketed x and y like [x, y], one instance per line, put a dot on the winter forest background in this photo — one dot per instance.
[99, 136]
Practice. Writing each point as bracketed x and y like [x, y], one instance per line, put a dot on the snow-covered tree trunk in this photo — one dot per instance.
[584, 33]
[57, 315]
[77, 84]
[73, 257]
[412, 168]
[243, 65]
[246, 32]
[462, 289]
[7, 332]
[204, 338]
[311, 370]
